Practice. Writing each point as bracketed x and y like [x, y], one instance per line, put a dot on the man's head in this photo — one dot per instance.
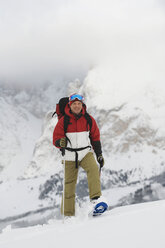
[76, 103]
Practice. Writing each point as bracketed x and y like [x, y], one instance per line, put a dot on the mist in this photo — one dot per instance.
[47, 40]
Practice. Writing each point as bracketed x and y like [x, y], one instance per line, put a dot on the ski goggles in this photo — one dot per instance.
[76, 96]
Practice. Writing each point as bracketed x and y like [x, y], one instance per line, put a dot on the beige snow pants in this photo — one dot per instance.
[88, 163]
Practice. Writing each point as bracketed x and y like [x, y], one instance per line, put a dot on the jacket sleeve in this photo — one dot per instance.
[58, 133]
[95, 138]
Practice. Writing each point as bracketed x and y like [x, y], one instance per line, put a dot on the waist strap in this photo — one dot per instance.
[76, 150]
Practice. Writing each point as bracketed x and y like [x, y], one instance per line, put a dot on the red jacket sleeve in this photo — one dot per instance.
[58, 131]
[94, 133]
[95, 138]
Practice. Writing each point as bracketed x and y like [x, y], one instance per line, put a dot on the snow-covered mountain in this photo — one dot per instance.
[131, 118]
[132, 131]
[18, 133]
[22, 113]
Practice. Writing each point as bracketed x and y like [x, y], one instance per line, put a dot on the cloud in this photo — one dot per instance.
[44, 40]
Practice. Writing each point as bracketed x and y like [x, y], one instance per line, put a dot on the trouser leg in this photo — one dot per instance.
[88, 163]
[70, 185]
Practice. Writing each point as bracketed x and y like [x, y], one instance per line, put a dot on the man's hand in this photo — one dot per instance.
[63, 142]
[100, 160]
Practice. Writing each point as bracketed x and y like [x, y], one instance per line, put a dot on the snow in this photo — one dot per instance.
[19, 130]
[26, 172]
[23, 145]
[31, 159]
[106, 88]
[21, 125]
[22, 195]
[135, 226]
[124, 91]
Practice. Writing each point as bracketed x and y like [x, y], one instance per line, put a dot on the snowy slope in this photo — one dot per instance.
[18, 133]
[132, 226]
[22, 114]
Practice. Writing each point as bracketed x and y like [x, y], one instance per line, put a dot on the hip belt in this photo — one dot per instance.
[76, 150]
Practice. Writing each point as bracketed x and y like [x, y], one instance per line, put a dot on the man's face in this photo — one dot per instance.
[76, 107]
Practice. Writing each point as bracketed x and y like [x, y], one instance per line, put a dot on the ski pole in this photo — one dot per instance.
[100, 171]
[63, 154]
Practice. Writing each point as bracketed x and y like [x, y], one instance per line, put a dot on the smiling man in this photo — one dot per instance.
[80, 141]
[76, 107]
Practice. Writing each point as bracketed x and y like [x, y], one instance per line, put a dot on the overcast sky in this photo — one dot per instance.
[42, 40]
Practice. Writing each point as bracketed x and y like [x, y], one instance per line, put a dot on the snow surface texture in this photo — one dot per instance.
[131, 226]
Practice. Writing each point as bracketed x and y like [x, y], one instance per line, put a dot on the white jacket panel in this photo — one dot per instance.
[78, 140]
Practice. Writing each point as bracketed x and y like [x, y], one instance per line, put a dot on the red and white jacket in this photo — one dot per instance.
[78, 135]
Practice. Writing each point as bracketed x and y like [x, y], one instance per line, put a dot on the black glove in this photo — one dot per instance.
[100, 160]
[63, 142]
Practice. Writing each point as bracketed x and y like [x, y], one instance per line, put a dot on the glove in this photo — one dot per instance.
[100, 160]
[63, 142]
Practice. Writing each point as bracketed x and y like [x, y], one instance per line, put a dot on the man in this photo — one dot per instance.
[78, 142]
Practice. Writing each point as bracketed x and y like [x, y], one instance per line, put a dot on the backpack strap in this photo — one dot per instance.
[89, 120]
[76, 150]
[66, 122]
[54, 113]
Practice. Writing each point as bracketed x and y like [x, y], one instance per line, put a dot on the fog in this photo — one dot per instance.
[44, 40]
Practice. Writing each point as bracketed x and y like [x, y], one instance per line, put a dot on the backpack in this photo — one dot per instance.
[60, 111]
[60, 107]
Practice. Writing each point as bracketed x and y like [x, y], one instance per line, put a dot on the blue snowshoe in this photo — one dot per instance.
[100, 208]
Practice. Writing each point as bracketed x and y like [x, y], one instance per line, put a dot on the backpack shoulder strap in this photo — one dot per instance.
[66, 122]
[89, 120]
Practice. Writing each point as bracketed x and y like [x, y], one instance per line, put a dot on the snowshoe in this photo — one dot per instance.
[100, 208]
